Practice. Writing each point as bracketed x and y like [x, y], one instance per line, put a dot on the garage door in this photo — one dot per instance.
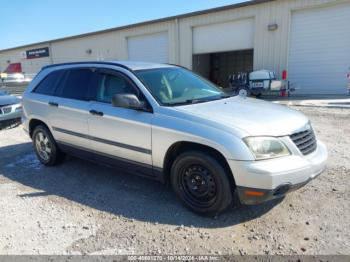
[231, 36]
[320, 50]
[149, 48]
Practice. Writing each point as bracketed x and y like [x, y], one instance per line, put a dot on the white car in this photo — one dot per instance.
[167, 123]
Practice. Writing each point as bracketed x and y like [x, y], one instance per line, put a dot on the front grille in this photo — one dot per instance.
[305, 141]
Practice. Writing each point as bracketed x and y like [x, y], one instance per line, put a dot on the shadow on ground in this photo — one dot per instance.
[111, 191]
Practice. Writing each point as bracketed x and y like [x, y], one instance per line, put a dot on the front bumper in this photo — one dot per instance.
[13, 115]
[260, 181]
[10, 118]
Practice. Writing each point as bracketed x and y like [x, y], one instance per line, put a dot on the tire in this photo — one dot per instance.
[45, 147]
[201, 183]
[243, 91]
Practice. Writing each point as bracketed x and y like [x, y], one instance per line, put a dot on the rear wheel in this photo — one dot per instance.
[45, 147]
[201, 183]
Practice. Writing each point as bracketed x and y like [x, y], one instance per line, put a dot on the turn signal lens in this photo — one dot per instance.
[254, 193]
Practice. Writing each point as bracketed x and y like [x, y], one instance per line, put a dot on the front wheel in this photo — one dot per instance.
[201, 183]
[45, 147]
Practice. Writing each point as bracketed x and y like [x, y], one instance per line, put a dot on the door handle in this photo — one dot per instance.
[53, 104]
[96, 113]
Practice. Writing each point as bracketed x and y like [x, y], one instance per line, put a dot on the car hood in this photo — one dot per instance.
[8, 100]
[255, 117]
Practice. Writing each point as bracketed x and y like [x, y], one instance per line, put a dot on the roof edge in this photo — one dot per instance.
[87, 63]
[159, 20]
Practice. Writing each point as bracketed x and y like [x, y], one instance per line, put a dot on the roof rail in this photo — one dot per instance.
[88, 62]
[177, 65]
[184, 67]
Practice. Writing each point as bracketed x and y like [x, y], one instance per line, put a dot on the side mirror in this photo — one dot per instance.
[127, 101]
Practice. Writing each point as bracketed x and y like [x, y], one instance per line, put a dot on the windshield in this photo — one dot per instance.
[177, 86]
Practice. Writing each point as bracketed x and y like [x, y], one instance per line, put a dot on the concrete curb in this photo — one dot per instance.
[343, 103]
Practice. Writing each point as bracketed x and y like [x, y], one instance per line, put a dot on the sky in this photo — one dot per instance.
[29, 21]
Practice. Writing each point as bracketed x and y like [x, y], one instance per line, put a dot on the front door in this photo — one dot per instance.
[120, 134]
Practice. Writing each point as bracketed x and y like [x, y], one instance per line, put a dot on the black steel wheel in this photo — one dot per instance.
[198, 184]
[201, 183]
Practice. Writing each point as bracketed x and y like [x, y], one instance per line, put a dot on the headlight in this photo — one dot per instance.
[266, 147]
[17, 107]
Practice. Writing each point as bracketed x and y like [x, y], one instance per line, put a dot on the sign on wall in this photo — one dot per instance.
[37, 53]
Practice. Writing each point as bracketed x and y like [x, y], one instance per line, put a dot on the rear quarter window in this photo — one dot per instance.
[48, 85]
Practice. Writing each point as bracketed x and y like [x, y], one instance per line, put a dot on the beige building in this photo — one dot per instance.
[308, 38]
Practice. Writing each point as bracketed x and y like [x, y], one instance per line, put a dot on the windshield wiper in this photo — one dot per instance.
[176, 104]
[208, 99]
[214, 98]
[197, 101]
[187, 102]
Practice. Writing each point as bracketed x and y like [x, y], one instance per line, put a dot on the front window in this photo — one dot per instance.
[173, 86]
[111, 85]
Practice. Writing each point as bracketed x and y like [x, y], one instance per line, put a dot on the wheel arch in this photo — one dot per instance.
[33, 123]
[180, 147]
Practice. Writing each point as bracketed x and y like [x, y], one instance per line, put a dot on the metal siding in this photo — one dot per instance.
[228, 36]
[270, 48]
[102, 47]
[149, 48]
[29, 66]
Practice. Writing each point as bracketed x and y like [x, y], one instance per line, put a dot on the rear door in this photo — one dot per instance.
[70, 108]
[119, 133]
[36, 103]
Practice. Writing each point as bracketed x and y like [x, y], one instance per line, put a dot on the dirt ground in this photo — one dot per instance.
[82, 208]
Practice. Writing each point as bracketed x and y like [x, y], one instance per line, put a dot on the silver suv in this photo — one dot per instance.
[169, 124]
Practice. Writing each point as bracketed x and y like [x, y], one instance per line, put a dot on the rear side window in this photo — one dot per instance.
[76, 84]
[48, 85]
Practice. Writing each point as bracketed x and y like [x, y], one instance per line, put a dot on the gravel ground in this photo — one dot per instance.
[82, 208]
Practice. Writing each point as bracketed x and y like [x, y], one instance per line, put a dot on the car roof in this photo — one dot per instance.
[142, 65]
[130, 65]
